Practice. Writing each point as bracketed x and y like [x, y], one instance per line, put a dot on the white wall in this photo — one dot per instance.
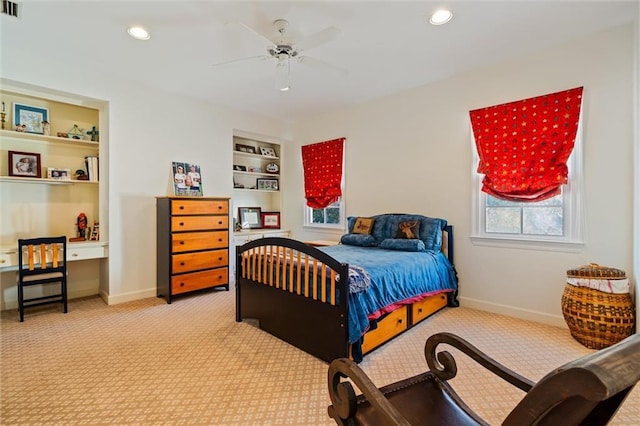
[411, 152]
[148, 129]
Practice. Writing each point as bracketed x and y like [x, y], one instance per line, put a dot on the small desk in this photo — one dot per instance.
[83, 250]
[321, 243]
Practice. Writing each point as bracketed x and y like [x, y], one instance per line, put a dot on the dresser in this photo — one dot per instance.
[192, 244]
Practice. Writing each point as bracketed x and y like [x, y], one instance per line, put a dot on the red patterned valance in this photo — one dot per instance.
[322, 164]
[523, 146]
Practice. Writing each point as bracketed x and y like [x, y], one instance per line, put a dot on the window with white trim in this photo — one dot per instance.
[331, 217]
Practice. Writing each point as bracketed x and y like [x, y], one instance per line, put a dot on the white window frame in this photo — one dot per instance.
[572, 239]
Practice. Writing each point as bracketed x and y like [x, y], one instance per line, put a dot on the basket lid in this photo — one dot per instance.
[593, 270]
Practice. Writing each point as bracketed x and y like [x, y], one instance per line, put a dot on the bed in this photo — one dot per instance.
[298, 292]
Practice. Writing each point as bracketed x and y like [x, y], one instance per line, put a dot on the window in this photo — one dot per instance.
[555, 223]
[331, 216]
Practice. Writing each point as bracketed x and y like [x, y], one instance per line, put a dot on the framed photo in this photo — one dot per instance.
[250, 217]
[268, 152]
[187, 180]
[271, 220]
[238, 168]
[246, 148]
[30, 117]
[24, 164]
[268, 184]
[62, 174]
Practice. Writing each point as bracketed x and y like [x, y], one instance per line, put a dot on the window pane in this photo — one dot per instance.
[317, 216]
[333, 215]
[505, 220]
[542, 220]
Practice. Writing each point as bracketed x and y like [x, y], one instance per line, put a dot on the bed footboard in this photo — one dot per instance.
[296, 293]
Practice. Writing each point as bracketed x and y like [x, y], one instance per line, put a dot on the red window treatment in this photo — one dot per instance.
[523, 146]
[322, 164]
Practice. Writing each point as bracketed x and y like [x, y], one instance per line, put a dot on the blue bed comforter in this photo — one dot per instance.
[394, 277]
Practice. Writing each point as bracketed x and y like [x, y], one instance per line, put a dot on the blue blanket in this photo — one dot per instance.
[395, 276]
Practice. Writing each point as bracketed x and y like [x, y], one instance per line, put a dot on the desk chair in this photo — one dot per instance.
[588, 390]
[42, 261]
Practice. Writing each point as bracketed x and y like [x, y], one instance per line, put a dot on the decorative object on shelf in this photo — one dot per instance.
[21, 128]
[81, 228]
[46, 128]
[187, 181]
[268, 152]
[31, 117]
[81, 175]
[267, 184]
[250, 217]
[246, 148]
[62, 174]
[238, 168]
[75, 133]
[271, 220]
[255, 169]
[236, 225]
[3, 115]
[95, 232]
[24, 164]
[272, 168]
[94, 133]
[62, 135]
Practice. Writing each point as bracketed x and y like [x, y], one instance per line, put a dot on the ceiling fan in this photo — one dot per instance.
[285, 50]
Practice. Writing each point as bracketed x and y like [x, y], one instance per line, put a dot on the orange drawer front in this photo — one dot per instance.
[198, 280]
[180, 207]
[392, 325]
[200, 260]
[191, 241]
[199, 223]
[427, 306]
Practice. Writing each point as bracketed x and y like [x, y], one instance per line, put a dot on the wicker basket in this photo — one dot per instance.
[597, 319]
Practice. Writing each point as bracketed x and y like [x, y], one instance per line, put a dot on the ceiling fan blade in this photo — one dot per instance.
[263, 36]
[262, 57]
[321, 65]
[322, 37]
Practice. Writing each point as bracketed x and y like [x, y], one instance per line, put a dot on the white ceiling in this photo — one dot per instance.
[386, 47]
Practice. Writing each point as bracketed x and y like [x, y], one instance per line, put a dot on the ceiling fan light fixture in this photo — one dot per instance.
[283, 73]
[441, 16]
[138, 33]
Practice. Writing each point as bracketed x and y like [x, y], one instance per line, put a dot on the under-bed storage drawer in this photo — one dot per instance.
[427, 306]
[391, 325]
[197, 280]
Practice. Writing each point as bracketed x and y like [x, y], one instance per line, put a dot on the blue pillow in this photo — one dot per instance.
[430, 229]
[360, 240]
[403, 244]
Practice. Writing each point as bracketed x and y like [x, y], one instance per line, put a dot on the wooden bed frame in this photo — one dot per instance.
[268, 289]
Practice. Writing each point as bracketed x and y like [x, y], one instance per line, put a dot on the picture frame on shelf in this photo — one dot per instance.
[268, 152]
[60, 174]
[245, 148]
[266, 184]
[271, 220]
[239, 168]
[31, 117]
[250, 217]
[24, 164]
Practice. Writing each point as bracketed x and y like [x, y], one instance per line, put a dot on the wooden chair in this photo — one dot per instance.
[588, 390]
[42, 261]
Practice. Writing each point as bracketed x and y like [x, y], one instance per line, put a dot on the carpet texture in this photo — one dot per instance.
[148, 362]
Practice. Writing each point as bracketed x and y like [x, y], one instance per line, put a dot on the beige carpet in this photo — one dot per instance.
[148, 362]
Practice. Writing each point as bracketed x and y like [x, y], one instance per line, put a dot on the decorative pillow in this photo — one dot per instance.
[358, 240]
[403, 244]
[363, 225]
[408, 230]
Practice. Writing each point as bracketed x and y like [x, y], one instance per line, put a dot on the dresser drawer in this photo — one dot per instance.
[191, 241]
[200, 260]
[197, 280]
[181, 207]
[198, 223]
[422, 309]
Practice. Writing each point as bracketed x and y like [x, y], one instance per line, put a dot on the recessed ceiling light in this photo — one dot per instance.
[440, 17]
[139, 33]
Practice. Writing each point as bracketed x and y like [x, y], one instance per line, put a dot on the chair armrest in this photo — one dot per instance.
[444, 366]
[343, 397]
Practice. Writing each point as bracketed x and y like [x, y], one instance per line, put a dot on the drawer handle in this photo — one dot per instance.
[218, 259]
[219, 207]
[219, 239]
[181, 263]
[181, 207]
[181, 284]
[219, 222]
[419, 310]
[400, 321]
[181, 223]
[74, 255]
[182, 242]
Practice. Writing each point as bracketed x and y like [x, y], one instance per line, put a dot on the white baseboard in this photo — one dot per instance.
[127, 297]
[512, 311]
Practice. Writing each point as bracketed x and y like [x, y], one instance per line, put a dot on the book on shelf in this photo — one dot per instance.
[91, 162]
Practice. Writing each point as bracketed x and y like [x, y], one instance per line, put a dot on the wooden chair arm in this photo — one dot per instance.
[343, 397]
[444, 366]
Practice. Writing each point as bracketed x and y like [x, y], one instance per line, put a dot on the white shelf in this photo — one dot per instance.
[256, 190]
[45, 181]
[257, 174]
[260, 156]
[36, 138]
